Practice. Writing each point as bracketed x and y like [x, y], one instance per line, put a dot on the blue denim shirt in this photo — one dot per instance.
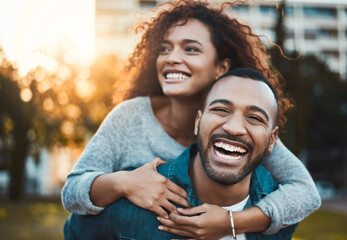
[124, 220]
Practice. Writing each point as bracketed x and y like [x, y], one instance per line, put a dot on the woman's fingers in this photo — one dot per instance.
[156, 163]
[182, 221]
[168, 206]
[177, 199]
[160, 212]
[152, 191]
[173, 187]
[192, 211]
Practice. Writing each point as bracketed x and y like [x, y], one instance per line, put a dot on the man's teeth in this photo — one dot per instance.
[230, 148]
[177, 76]
[219, 154]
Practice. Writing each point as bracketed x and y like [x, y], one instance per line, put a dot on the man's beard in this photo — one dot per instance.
[228, 177]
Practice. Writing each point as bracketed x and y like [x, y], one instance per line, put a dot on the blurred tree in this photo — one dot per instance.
[319, 118]
[58, 104]
[20, 116]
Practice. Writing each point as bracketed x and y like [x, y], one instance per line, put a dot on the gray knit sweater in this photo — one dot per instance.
[131, 136]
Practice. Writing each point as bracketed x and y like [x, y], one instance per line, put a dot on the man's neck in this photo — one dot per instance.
[209, 191]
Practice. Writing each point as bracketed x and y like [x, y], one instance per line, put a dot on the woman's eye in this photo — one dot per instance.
[192, 49]
[164, 49]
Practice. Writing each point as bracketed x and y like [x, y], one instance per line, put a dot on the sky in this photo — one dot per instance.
[27, 26]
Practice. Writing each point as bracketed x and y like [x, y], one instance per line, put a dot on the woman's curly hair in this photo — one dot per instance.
[231, 39]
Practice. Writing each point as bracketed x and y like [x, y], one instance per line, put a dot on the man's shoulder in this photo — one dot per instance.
[264, 179]
[129, 221]
[120, 220]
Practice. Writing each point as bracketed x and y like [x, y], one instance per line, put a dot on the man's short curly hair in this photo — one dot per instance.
[230, 37]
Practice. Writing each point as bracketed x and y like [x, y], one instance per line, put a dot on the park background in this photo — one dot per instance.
[60, 64]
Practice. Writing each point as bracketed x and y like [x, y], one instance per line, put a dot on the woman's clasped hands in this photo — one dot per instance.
[150, 190]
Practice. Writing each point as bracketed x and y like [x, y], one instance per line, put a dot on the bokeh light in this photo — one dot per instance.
[26, 94]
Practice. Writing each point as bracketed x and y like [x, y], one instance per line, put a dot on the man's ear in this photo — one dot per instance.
[274, 136]
[197, 122]
[223, 67]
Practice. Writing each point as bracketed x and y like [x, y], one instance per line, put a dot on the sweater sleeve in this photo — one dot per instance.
[100, 156]
[296, 197]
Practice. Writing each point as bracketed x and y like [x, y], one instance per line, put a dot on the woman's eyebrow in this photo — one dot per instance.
[192, 41]
[167, 41]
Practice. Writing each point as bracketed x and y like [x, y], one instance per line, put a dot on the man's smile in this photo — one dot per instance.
[229, 152]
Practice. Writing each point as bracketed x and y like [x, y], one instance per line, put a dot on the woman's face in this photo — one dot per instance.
[186, 64]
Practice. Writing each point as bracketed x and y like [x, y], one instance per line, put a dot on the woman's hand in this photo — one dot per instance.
[203, 222]
[148, 189]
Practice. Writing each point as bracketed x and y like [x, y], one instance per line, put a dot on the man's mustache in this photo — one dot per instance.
[230, 137]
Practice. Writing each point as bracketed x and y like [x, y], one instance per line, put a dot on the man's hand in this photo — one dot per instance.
[148, 189]
[203, 222]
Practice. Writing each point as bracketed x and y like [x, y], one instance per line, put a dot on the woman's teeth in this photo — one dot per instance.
[176, 76]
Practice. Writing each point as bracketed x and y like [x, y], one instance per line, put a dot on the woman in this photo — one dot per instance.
[182, 51]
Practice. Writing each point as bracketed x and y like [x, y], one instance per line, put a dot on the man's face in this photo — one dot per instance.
[235, 129]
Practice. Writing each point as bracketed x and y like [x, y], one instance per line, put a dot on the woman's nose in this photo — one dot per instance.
[174, 57]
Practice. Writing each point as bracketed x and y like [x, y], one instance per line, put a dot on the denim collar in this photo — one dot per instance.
[261, 181]
[178, 173]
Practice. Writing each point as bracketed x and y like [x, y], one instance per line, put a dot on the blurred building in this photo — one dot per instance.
[45, 174]
[315, 27]
[115, 21]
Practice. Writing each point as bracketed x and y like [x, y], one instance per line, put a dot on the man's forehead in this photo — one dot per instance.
[239, 89]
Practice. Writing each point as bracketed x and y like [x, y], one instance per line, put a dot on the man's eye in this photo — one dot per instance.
[255, 119]
[221, 110]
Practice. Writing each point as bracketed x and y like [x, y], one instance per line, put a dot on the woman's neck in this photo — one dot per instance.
[177, 117]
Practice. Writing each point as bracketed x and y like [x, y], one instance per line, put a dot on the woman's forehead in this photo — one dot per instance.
[191, 28]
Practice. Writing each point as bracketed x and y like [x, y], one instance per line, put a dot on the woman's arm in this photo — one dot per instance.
[98, 158]
[296, 197]
[96, 179]
[144, 187]
[210, 221]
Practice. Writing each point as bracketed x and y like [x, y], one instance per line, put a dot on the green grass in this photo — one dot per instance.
[29, 221]
[45, 220]
[323, 225]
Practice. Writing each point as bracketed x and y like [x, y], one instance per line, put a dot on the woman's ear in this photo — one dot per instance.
[197, 122]
[223, 67]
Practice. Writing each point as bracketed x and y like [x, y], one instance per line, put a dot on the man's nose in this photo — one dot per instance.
[174, 57]
[235, 125]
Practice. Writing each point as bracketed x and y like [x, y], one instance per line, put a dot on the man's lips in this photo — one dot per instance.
[229, 152]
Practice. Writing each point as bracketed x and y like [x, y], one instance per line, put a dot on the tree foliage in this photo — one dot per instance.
[56, 104]
[319, 118]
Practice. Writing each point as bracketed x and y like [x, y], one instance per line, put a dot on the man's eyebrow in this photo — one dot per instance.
[258, 109]
[184, 41]
[224, 101]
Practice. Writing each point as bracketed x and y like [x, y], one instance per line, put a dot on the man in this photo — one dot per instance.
[235, 130]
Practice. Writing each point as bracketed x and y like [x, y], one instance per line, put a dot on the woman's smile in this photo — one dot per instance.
[186, 63]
